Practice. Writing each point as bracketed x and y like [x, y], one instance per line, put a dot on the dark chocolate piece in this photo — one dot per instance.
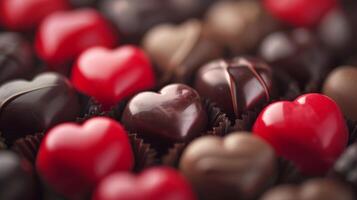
[237, 85]
[31, 107]
[238, 167]
[341, 86]
[178, 51]
[315, 189]
[299, 54]
[134, 17]
[16, 57]
[346, 165]
[174, 115]
[16, 178]
[239, 25]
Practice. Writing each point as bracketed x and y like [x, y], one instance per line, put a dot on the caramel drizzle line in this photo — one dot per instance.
[183, 52]
[252, 68]
[232, 86]
[9, 99]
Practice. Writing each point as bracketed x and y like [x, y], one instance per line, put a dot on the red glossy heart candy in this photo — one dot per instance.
[25, 15]
[62, 36]
[304, 13]
[72, 159]
[158, 183]
[111, 75]
[309, 131]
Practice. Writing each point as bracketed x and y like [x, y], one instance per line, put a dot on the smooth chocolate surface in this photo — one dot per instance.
[341, 86]
[28, 107]
[346, 165]
[173, 115]
[236, 85]
[240, 166]
[134, 17]
[179, 50]
[298, 53]
[16, 177]
[16, 57]
[315, 189]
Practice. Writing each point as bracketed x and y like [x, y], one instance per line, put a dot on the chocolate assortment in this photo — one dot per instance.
[178, 100]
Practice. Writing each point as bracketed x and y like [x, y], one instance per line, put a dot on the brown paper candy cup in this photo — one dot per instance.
[352, 129]
[28, 146]
[144, 155]
[288, 173]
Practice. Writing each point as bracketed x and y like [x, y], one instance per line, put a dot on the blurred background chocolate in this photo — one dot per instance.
[31, 107]
[174, 115]
[298, 53]
[315, 189]
[16, 178]
[16, 57]
[239, 25]
[346, 166]
[238, 167]
[83, 3]
[133, 18]
[236, 85]
[341, 86]
[179, 50]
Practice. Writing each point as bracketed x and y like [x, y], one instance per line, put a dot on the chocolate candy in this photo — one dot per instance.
[16, 177]
[239, 166]
[239, 25]
[16, 57]
[134, 17]
[297, 53]
[237, 85]
[316, 189]
[30, 107]
[341, 86]
[174, 115]
[178, 51]
[346, 165]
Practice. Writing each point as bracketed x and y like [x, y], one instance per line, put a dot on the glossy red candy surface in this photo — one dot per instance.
[309, 131]
[158, 183]
[304, 13]
[111, 75]
[72, 159]
[62, 36]
[24, 15]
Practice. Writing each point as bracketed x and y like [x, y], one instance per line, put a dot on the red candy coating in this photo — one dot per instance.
[309, 131]
[111, 75]
[27, 14]
[158, 183]
[304, 13]
[72, 159]
[64, 35]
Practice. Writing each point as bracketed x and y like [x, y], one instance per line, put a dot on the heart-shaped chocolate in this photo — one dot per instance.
[180, 50]
[239, 166]
[315, 189]
[29, 107]
[174, 115]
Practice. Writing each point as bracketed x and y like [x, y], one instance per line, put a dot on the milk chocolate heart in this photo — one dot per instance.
[239, 166]
[29, 107]
[174, 115]
[180, 50]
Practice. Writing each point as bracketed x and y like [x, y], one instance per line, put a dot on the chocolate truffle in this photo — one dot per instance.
[236, 85]
[346, 165]
[134, 17]
[16, 178]
[316, 189]
[239, 25]
[341, 86]
[240, 166]
[174, 115]
[178, 51]
[298, 53]
[16, 57]
[31, 107]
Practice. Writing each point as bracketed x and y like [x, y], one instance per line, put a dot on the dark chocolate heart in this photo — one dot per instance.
[174, 115]
[29, 107]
